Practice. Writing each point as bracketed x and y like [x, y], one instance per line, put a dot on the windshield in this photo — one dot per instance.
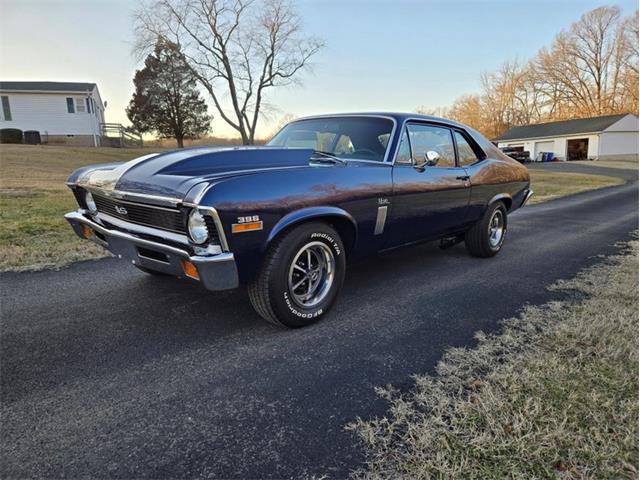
[363, 138]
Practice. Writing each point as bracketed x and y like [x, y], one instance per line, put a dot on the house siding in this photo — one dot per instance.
[620, 140]
[618, 145]
[48, 114]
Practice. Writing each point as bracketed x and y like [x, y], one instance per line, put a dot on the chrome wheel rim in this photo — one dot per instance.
[496, 229]
[311, 274]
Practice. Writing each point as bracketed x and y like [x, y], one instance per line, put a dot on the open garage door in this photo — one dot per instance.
[542, 147]
[578, 149]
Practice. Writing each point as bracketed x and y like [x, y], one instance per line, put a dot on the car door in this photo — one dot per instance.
[430, 190]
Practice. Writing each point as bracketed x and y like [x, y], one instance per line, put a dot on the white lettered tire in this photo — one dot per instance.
[300, 277]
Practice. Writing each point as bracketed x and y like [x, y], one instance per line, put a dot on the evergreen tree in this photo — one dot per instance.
[166, 101]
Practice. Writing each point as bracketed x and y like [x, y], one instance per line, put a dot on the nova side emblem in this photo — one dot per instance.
[121, 210]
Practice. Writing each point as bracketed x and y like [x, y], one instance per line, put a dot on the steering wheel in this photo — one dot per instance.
[366, 151]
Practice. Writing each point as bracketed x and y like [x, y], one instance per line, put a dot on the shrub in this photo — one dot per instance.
[10, 135]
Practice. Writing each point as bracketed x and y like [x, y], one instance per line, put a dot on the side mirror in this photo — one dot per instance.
[432, 158]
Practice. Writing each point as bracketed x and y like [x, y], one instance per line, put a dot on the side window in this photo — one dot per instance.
[70, 105]
[466, 155]
[404, 150]
[425, 138]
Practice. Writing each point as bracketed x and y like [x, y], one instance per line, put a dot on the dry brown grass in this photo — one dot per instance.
[622, 164]
[34, 198]
[555, 395]
[38, 166]
[549, 185]
[198, 142]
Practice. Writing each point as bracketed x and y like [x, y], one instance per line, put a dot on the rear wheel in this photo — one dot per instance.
[486, 237]
[300, 277]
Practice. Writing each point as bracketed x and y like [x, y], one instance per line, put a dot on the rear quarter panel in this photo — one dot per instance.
[493, 177]
[498, 174]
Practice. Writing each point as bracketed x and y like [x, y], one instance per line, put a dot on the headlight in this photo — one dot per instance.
[91, 204]
[197, 227]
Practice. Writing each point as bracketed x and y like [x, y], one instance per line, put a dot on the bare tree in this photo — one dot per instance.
[237, 49]
[591, 69]
[468, 110]
[584, 65]
[628, 58]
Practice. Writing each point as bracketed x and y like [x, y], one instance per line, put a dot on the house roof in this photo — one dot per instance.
[566, 127]
[48, 86]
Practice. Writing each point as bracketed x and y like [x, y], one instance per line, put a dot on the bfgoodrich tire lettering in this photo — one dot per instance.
[487, 236]
[300, 277]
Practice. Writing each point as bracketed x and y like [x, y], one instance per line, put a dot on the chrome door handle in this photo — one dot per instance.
[463, 177]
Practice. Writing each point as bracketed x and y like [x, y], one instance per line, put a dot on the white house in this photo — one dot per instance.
[609, 137]
[63, 112]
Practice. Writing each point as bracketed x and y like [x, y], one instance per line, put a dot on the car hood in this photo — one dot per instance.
[173, 174]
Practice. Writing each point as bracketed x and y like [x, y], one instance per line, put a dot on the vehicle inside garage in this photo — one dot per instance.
[577, 149]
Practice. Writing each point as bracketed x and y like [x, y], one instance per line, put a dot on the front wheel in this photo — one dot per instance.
[300, 277]
[486, 237]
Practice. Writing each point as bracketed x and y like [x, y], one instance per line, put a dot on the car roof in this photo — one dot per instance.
[397, 116]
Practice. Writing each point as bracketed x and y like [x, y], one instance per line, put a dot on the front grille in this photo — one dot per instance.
[169, 219]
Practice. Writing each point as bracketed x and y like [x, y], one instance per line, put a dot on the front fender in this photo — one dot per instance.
[310, 213]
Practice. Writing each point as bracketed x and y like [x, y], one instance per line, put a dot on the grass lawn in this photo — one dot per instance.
[548, 185]
[33, 199]
[555, 395]
[623, 164]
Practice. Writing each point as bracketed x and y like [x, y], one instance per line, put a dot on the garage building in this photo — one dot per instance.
[598, 138]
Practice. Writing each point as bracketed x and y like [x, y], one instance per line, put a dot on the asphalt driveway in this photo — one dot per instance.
[107, 372]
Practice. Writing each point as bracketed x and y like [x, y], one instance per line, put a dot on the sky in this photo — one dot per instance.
[394, 55]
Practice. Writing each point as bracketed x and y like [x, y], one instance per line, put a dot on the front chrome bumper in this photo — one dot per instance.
[216, 272]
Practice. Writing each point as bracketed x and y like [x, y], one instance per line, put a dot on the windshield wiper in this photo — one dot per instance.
[326, 157]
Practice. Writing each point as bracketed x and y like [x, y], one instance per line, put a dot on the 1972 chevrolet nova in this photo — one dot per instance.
[285, 218]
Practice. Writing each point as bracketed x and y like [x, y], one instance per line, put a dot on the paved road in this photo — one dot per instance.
[107, 372]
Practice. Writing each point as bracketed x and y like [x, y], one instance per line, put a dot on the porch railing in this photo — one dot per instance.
[117, 135]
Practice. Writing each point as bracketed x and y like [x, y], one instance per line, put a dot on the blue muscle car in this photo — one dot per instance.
[285, 218]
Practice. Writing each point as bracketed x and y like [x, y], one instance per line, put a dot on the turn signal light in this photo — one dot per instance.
[190, 270]
[86, 231]
[246, 227]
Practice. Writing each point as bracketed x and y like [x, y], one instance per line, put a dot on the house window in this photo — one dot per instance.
[70, 107]
[6, 109]
[80, 105]
[88, 100]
